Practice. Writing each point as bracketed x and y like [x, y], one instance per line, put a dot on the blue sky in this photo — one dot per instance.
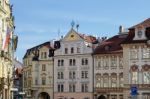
[38, 21]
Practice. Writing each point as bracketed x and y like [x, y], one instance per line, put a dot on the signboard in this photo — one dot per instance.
[134, 90]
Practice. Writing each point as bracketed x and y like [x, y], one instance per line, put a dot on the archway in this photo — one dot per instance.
[101, 97]
[43, 95]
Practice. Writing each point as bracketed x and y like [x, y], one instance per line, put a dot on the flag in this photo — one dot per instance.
[6, 39]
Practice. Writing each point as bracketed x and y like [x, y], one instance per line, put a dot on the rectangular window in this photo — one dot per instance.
[145, 52]
[78, 50]
[84, 61]
[72, 50]
[134, 78]
[72, 62]
[84, 74]
[45, 55]
[66, 50]
[43, 67]
[84, 87]
[43, 81]
[134, 53]
[71, 87]
[60, 87]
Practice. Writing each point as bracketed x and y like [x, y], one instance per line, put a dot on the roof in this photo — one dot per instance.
[47, 44]
[145, 23]
[88, 38]
[111, 45]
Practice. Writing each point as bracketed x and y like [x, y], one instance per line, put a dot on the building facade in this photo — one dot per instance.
[7, 48]
[136, 55]
[73, 67]
[38, 72]
[108, 68]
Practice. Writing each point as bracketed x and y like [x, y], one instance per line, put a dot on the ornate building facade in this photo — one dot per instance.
[7, 47]
[38, 72]
[108, 69]
[73, 67]
[136, 55]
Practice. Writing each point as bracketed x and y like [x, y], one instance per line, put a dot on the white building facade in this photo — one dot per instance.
[73, 67]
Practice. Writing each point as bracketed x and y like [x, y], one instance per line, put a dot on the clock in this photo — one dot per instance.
[139, 33]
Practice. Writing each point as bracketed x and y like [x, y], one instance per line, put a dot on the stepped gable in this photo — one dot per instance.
[111, 45]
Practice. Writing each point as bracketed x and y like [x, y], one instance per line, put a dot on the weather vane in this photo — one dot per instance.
[72, 24]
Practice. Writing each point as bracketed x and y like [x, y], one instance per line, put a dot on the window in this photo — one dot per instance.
[72, 75]
[43, 55]
[84, 74]
[84, 87]
[43, 67]
[113, 62]
[72, 87]
[84, 61]
[60, 75]
[43, 81]
[72, 62]
[145, 52]
[134, 78]
[72, 50]
[58, 62]
[78, 50]
[134, 53]
[98, 80]
[121, 81]
[120, 63]
[113, 80]
[66, 50]
[36, 81]
[61, 62]
[60, 87]
[105, 80]
[146, 77]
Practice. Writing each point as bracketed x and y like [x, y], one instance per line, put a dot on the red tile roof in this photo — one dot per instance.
[111, 45]
[88, 38]
[144, 24]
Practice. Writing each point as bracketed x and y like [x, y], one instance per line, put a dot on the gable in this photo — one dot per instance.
[72, 36]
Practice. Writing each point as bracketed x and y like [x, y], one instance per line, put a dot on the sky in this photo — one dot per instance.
[39, 21]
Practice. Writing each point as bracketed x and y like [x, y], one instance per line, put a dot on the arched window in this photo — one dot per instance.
[113, 80]
[134, 74]
[98, 80]
[105, 80]
[146, 74]
[121, 80]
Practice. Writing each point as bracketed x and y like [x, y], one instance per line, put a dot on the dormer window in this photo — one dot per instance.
[139, 33]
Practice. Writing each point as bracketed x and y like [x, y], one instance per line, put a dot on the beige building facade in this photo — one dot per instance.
[108, 69]
[38, 72]
[7, 49]
[136, 55]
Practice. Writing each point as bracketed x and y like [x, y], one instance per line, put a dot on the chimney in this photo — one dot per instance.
[121, 29]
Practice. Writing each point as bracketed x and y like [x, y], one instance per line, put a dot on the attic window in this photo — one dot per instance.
[107, 48]
[72, 35]
[139, 34]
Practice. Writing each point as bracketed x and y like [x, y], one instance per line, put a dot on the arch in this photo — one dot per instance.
[101, 97]
[43, 95]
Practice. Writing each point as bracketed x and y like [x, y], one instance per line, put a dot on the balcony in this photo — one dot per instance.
[109, 89]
